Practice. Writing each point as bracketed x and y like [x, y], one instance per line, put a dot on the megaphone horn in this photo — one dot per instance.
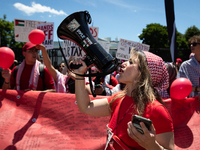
[75, 28]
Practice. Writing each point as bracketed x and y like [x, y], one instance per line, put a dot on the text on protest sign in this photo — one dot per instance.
[23, 27]
[72, 49]
[94, 31]
[124, 47]
[48, 29]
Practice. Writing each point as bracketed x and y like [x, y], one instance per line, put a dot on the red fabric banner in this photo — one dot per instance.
[39, 121]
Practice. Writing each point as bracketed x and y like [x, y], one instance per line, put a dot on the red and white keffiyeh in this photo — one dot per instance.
[159, 73]
[61, 85]
[33, 81]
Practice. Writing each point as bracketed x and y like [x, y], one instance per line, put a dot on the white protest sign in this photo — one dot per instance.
[48, 29]
[72, 49]
[124, 47]
[105, 45]
[94, 31]
[22, 29]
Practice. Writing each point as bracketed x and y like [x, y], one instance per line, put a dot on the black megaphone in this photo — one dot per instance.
[75, 28]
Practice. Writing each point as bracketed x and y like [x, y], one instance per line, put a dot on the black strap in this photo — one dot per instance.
[97, 75]
[42, 73]
[15, 71]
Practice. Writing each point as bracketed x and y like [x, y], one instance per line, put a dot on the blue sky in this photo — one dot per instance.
[115, 18]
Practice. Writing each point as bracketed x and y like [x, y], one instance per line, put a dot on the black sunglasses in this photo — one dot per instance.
[193, 44]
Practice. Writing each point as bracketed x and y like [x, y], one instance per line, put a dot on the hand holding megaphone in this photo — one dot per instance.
[87, 61]
[36, 36]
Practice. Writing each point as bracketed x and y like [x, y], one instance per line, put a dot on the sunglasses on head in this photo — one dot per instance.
[193, 44]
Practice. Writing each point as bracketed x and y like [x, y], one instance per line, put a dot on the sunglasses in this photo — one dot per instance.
[193, 44]
[32, 50]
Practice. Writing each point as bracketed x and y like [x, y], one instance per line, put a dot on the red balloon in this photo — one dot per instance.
[36, 36]
[180, 88]
[7, 57]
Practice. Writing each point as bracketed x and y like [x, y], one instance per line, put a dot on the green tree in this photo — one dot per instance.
[193, 30]
[155, 35]
[181, 41]
[7, 36]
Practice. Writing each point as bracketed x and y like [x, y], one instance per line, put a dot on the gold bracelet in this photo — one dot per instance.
[80, 78]
[6, 82]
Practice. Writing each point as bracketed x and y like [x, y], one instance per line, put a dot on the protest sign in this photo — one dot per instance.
[105, 45]
[48, 29]
[124, 47]
[94, 31]
[72, 49]
[22, 28]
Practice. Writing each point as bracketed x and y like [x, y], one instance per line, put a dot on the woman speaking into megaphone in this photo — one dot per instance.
[138, 98]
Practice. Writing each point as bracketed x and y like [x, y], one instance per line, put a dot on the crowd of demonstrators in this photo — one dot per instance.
[190, 69]
[138, 97]
[105, 84]
[64, 83]
[27, 75]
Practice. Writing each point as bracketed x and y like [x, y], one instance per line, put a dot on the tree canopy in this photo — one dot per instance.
[7, 36]
[191, 31]
[156, 36]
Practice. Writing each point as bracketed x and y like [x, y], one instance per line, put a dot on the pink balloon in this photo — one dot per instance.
[36, 36]
[7, 57]
[180, 88]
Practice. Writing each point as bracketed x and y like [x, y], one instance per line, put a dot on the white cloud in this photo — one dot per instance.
[120, 3]
[37, 8]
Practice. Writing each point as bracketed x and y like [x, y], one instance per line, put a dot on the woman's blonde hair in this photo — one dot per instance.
[144, 92]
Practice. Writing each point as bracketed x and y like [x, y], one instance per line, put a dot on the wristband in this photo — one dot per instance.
[80, 78]
[6, 82]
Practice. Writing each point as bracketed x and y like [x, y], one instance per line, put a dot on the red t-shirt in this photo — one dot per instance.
[156, 112]
[25, 76]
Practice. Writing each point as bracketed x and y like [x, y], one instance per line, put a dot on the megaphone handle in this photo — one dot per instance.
[87, 60]
[72, 66]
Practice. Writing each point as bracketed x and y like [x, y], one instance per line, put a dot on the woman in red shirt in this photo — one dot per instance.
[138, 97]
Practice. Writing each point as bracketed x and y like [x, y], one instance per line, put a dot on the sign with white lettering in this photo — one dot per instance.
[48, 29]
[72, 49]
[22, 28]
[124, 47]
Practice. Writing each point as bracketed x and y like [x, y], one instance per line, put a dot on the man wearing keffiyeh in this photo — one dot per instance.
[28, 75]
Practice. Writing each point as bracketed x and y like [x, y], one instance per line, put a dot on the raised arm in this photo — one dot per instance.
[47, 61]
[97, 108]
